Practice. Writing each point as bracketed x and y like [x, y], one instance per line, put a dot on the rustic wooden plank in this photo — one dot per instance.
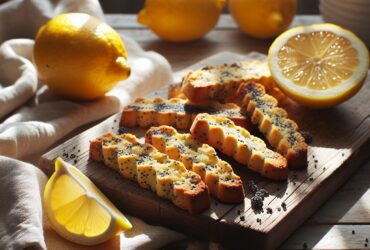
[333, 156]
[350, 205]
[330, 237]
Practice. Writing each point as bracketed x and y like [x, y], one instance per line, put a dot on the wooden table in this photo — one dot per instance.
[343, 222]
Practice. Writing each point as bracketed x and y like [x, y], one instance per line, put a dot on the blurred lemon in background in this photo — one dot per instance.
[319, 65]
[263, 18]
[181, 20]
[79, 57]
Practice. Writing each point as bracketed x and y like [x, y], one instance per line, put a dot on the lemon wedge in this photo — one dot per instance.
[78, 210]
[320, 65]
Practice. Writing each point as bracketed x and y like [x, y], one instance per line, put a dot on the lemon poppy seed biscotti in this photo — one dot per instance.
[280, 131]
[178, 113]
[221, 82]
[151, 169]
[235, 141]
[201, 158]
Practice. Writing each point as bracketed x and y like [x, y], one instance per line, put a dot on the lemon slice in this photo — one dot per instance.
[77, 210]
[319, 65]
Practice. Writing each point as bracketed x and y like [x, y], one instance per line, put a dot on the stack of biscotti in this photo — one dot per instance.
[176, 112]
[201, 158]
[230, 82]
[152, 169]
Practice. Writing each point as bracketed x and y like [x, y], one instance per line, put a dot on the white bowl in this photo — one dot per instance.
[350, 14]
[360, 15]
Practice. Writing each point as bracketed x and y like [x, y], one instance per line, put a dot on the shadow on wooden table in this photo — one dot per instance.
[342, 222]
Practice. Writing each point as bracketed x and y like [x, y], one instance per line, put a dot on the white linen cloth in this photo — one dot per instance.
[32, 119]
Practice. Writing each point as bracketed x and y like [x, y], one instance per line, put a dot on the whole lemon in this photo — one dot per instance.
[181, 20]
[79, 57]
[263, 18]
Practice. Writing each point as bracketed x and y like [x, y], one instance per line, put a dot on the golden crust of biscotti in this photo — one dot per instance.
[174, 91]
[95, 152]
[237, 142]
[201, 158]
[151, 169]
[221, 82]
[176, 112]
[280, 131]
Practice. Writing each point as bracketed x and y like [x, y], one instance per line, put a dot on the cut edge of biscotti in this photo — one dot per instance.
[221, 82]
[151, 169]
[237, 142]
[272, 121]
[201, 158]
[176, 112]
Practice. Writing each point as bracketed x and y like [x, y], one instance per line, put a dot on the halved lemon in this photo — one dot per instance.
[77, 210]
[319, 65]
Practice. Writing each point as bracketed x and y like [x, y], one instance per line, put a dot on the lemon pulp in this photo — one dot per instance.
[318, 60]
[320, 65]
[77, 209]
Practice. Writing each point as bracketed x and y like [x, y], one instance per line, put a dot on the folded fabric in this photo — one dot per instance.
[46, 119]
[21, 186]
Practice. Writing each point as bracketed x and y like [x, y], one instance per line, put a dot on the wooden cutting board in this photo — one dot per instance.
[341, 143]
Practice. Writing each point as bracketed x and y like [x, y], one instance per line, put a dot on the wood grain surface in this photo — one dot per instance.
[341, 143]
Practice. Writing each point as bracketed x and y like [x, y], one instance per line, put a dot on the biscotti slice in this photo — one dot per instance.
[280, 131]
[201, 158]
[237, 142]
[221, 82]
[176, 112]
[153, 170]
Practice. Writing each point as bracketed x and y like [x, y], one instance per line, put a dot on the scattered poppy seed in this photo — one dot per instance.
[238, 212]
[316, 161]
[242, 217]
[257, 202]
[342, 154]
[367, 240]
[278, 209]
[353, 231]
[304, 245]
[283, 205]
[252, 187]
[311, 179]
[307, 136]
[73, 156]
[365, 244]
[269, 210]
